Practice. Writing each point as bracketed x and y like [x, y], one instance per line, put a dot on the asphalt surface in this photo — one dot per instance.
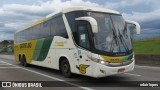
[10, 70]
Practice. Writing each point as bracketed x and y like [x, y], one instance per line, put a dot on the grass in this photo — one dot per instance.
[147, 47]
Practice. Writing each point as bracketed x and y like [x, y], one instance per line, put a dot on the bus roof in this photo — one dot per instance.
[69, 9]
[89, 8]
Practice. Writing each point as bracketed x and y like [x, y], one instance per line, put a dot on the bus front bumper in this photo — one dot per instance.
[103, 71]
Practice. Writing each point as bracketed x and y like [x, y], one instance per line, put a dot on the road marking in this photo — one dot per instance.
[54, 78]
[8, 67]
[146, 66]
[9, 64]
[133, 74]
[4, 64]
[6, 58]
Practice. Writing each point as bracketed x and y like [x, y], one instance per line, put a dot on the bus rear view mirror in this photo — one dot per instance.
[133, 27]
[92, 21]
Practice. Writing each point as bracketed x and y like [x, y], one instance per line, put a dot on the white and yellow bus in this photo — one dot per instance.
[90, 41]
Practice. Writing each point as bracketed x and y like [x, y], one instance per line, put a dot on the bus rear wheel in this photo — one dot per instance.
[23, 61]
[65, 68]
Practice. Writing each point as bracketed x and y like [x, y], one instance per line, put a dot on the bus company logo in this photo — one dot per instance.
[116, 60]
[60, 43]
[6, 84]
[82, 68]
[26, 45]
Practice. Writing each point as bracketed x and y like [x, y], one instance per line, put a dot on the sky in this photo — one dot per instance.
[16, 14]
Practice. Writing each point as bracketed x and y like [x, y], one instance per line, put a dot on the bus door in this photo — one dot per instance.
[83, 63]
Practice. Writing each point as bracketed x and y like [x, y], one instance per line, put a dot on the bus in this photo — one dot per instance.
[91, 41]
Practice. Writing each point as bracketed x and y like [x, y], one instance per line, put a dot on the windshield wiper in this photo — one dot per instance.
[122, 40]
[115, 37]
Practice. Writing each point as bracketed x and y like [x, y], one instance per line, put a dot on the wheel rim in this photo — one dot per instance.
[65, 68]
[22, 63]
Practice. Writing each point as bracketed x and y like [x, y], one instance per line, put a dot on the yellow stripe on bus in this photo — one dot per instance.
[113, 59]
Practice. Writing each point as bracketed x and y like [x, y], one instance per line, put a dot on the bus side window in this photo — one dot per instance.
[20, 35]
[83, 36]
[52, 26]
[46, 29]
[30, 33]
[58, 28]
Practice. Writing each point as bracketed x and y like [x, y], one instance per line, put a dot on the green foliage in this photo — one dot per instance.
[147, 47]
[6, 46]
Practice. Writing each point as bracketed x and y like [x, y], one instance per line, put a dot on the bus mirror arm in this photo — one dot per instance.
[136, 24]
[92, 22]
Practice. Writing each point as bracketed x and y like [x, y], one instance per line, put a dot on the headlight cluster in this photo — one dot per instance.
[101, 61]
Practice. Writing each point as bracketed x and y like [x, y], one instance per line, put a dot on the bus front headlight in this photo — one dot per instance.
[101, 61]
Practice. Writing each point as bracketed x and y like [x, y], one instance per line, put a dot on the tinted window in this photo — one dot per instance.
[45, 29]
[53, 27]
[33, 33]
[26, 35]
[38, 31]
[58, 27]
[18, 37]
[72, 22]
[29, 33]
[83, 35]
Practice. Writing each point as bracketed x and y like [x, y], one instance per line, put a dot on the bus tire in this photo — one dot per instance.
[24, 62]
[21, 61]
[65, 68]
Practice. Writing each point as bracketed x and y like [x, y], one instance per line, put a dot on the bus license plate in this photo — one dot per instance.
[121, 70]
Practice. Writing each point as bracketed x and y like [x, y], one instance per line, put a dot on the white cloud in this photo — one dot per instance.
[19, 13]
[43, 8]
[15, 16]
[12, 25]
[6, 36]
[126, 3]
[1, 25]
[143, 17]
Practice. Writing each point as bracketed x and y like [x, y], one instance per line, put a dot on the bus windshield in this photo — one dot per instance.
[113, 35]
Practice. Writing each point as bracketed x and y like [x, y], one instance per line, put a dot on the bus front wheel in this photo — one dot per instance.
[65, 68]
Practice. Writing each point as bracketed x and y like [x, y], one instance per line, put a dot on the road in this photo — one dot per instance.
[10, 70]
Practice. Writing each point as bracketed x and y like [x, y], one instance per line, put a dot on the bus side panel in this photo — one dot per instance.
[64, 48]
[30, 50]
[67, 53]
[44, 54]
[25, 48]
